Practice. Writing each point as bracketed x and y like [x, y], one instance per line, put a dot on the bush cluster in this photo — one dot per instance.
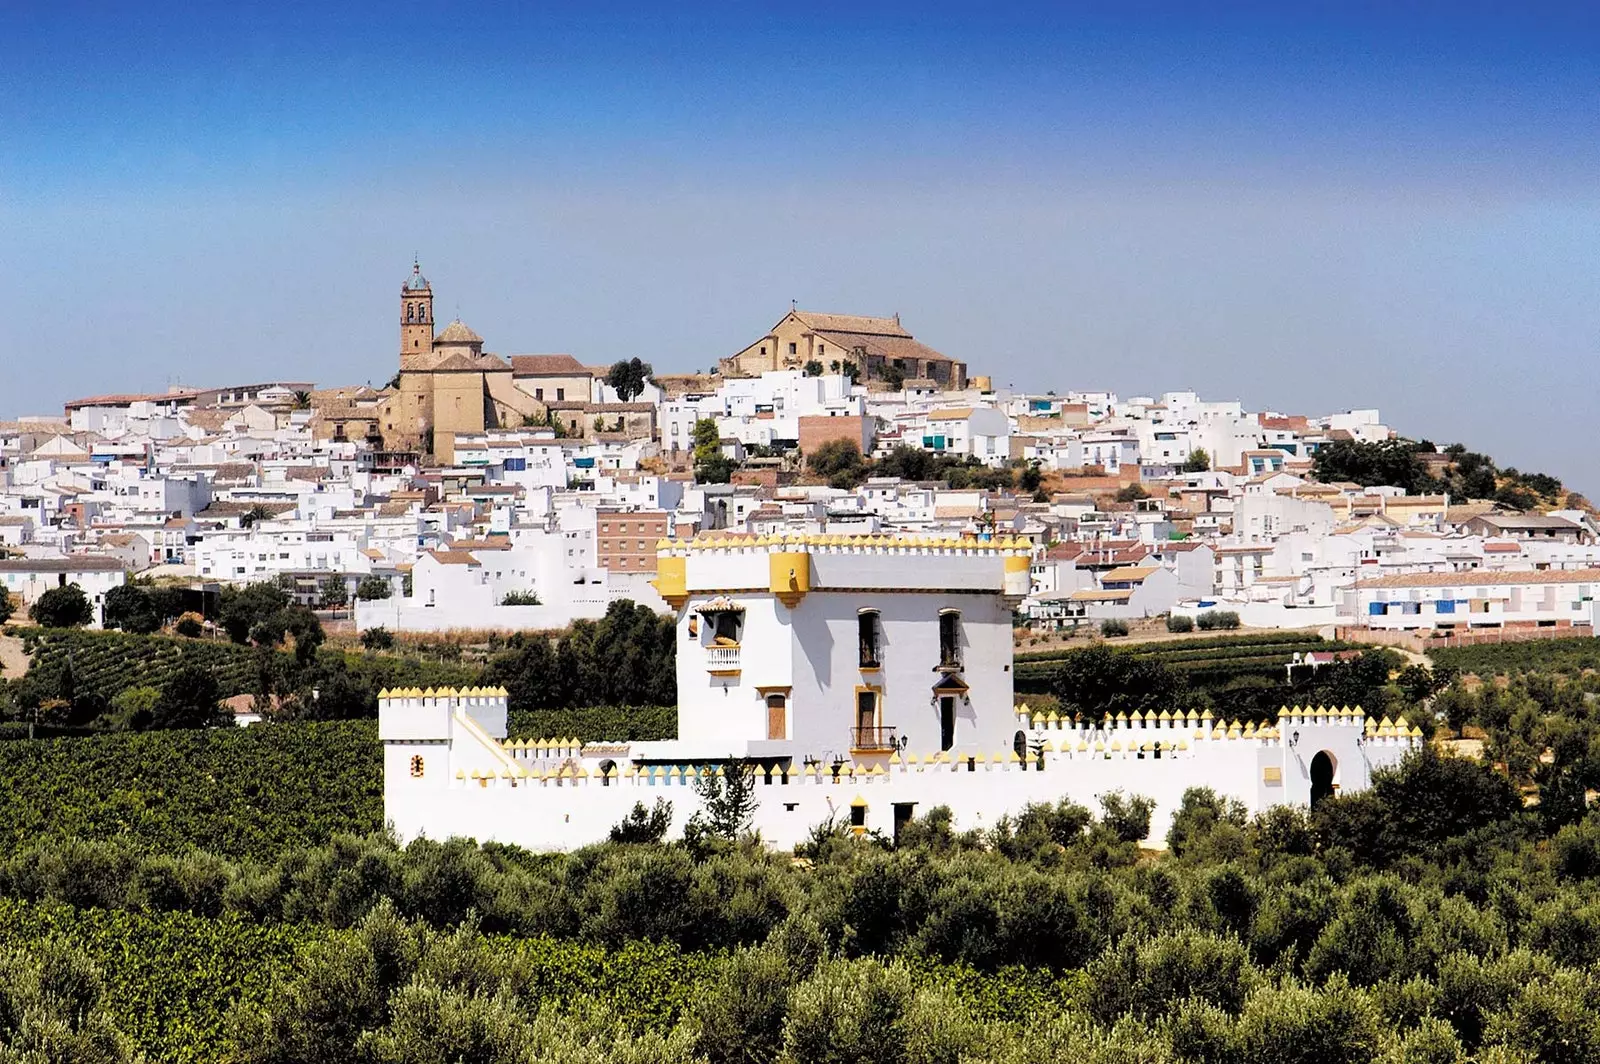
[1428, 918]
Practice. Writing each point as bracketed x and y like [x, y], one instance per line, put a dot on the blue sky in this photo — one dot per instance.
[1309, 207]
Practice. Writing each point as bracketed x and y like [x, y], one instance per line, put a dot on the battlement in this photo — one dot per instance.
[790, 566]
[562, 793]
[876, 542]
[1204, 726]
[435, 714]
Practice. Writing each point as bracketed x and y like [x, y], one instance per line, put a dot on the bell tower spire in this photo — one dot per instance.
[416, 314]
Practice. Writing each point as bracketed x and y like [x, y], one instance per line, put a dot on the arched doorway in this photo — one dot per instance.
[1323, 770]
[1019, 743]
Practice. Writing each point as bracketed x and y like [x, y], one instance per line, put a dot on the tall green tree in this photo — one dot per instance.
[1389, 462]
[840, 461]
[62, 607]
[190, 699]
[711, 466]
[242, 608]
[1097, 680]
[628, 377]
[332, 593]
[130, 608]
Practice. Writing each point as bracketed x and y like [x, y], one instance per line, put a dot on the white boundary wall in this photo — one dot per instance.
[563, 795]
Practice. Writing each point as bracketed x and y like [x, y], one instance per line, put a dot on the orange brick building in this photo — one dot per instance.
[625, 540]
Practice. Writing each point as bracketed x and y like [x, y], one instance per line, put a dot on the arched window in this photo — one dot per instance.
[411, 312]
[422, 312]
[416, 765]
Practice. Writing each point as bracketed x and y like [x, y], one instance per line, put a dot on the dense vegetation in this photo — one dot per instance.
[628, 657]
[1566, 656]
[597, 723]
[118, 680]
[844, 466]
[1464, 475]
[1428, 919]
[242, 792]
[75, 676]
[1239, 677]
[225, 894]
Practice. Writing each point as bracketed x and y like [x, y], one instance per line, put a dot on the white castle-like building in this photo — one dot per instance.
[867, 679]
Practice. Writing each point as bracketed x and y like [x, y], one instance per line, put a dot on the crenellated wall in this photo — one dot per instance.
[558, 795]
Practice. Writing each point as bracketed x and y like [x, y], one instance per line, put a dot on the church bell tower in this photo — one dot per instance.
[416, 315]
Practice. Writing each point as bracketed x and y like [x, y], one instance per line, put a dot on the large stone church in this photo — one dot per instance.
[448, 384]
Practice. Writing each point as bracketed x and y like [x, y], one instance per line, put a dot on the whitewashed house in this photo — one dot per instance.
[28, 578]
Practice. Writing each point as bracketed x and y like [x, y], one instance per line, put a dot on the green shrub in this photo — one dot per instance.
[1113, 626]
[1178, 622]
[373, 588]
[1212, 620]
[378, 638]
[62, 607]
[1150, 977]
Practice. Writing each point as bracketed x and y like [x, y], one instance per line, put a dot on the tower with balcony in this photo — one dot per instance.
[842, 647]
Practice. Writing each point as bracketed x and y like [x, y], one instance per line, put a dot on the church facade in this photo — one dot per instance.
[447, 384]
[880, 349]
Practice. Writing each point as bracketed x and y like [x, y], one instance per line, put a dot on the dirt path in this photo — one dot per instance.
[13, 662]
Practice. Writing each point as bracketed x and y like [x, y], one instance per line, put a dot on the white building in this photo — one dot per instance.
[1458, 601]
[866, 680]
[28, 578]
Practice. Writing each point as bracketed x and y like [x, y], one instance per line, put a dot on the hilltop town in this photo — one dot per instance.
[500, 492]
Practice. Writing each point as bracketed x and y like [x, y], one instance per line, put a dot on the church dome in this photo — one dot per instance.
[457, 333]
[416, 282]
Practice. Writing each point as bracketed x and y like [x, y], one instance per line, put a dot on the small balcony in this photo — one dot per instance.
[879, 738]
[722, 661]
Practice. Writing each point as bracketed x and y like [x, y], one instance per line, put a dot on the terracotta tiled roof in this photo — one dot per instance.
[457, 333]
[1130, 573]
[209, 420]
[548, 366]
[453, 557]
[75, 563]
[890, 347]
[1483, 578]
[457, 363]
[850, 323]
[480, 544]
[1532, 522]
[127, 399]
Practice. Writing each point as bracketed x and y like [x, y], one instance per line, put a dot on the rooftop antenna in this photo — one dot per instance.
[793, 306]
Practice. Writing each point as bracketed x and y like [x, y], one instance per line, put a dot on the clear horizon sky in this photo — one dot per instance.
[1309, 207]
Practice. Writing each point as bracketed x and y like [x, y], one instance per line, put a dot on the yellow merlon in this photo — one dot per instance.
[443, 692]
